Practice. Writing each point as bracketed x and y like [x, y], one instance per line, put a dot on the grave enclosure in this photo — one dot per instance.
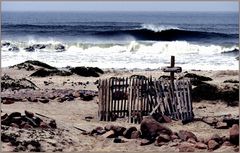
[140, 96]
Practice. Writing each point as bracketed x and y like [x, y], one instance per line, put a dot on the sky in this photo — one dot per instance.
[120, 6]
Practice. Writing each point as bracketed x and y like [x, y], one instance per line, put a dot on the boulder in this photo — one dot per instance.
[53, 124]
[13, 49]
[205, 92]
[234, 134]
[30, 49]
[118, 130]
[185, 135]
[60, 48]
[145, 142]
[109, 127]
[150, 128]
[212, 145]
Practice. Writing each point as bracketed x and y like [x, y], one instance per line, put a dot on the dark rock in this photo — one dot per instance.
[30, 49]
[185, 135]
[212, 145]
[44, 101]
[39, 46]
[44, 73]
[87, 71]
[14, 125]
[32, 99]
[231, 121]
[13, 49]
[86, 96]
[37, 120]
[35, 63]
[128, 132]
[9, 83]
[14, 114]
[118, 140]
[234, 134]
[27, 126]
[150, 128]
[4, 116]
[44, 125]
[5, 44]
[60, 48]
[231, 81]
[197, 77]
[205, 91]
[29, 121]
[53, 124]
[8, 137]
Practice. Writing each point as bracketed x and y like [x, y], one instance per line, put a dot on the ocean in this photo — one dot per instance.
[131, 40]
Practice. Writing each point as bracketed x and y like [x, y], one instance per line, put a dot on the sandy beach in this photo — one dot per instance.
[81, 113]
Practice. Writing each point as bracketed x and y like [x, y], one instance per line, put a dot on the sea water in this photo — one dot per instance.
[142, 40]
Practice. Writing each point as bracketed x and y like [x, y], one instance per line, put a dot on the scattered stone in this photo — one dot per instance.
[53, 124]
[118, 140]
[200, 145]
[205, 91]
[186, 147]
[227, 143]
[231, 121]
[191, 140]
[221, 125]
[163, 138]
[210, 120]
[29, 114]
[216, 138]
[109, 127]
[30, 49]
[212, 145]
[234, 134]
[150, 128]
[44, 101]
[185, 135]
[32, 63]
[60, 48]
[145, 142]
[109, 134]
[135, 135]
[13, 49]
[44, 125]
[128, 132]
[8, 83]
[118, 130]
[231, 81]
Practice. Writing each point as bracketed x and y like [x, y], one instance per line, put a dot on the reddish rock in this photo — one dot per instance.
[200, 145]
[29, 114]
[166, 119]
[8, 101]
[135, 135]
[185, 135]
[186, 147]
[221, 125]
[150, 128]
[128, 132]
[212, 145]
[234, 134]
[163, 138]
[76, 94]
[109, 134]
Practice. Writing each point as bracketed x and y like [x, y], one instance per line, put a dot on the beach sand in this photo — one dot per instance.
[72, 113]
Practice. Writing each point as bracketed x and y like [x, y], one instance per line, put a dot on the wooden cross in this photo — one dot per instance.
[172, 69]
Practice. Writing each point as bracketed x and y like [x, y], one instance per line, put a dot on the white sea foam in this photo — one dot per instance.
[131, 55]
[157, 28]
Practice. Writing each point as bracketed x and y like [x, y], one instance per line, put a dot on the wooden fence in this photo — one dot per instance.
[136, 97]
